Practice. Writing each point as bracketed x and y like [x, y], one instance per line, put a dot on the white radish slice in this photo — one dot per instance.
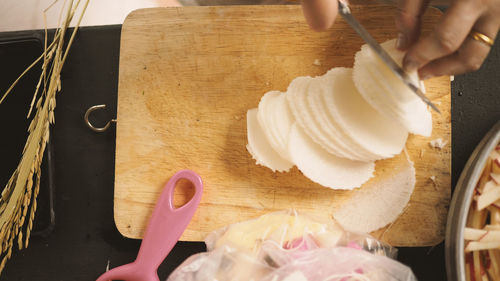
[298, 87]
[374, 82]
[343, 136]
[481, 235]
[376, 205]
[275, 120]
[324, 168]
[391, 107]
[401, 92]
[489, 197]
[282, 121]
[380, 87]
[334, 132]
[259, 147]
[394, 94]
[364, 126]
[399, 108]
[329, 132]
[478, 246]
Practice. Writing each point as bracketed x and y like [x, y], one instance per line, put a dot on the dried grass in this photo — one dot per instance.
[18, 199]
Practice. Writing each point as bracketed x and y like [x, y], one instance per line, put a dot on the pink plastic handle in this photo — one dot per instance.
[165, 227]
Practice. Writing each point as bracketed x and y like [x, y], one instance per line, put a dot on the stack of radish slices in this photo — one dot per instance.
[334, 127]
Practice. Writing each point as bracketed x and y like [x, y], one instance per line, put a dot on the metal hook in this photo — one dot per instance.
[92, 127]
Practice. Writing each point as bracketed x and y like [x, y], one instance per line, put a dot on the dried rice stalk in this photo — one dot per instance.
[18, 199]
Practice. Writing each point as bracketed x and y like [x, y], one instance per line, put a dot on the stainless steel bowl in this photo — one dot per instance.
[460, 203]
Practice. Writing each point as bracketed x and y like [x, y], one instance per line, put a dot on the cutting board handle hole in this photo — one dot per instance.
[183, 192]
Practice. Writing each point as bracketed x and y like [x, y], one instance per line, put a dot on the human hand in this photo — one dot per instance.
[449, 49]
[320, 14]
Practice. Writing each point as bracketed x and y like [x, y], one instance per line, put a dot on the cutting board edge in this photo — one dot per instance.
[122, 227]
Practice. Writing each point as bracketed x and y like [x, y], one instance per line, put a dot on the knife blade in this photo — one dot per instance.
[345, 12]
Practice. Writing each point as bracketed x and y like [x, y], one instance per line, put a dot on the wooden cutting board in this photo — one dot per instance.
[187, 78]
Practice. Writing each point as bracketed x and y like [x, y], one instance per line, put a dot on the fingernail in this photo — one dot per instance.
[402, 41]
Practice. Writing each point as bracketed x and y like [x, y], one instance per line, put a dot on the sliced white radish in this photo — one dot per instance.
[297, 88]
[495, 177]
[259, 146]
[477, 246]
[383, 80]
[282, 121]
[490, 185]
[329, 134]
[264, 111]
[363, 125]
[492, 227]
[324, 168]
[376, 205]
[474, 234]
[375, 82]
[276, 119]
[380, 87]
[487, 198]
[329, 127]
[481, 235]
[402, 101]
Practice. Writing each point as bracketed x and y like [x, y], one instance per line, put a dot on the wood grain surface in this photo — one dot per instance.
[187, 78]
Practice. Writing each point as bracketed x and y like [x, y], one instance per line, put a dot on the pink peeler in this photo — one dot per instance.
[165, 227]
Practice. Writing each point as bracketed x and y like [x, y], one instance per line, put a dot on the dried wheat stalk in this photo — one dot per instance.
[18, 199]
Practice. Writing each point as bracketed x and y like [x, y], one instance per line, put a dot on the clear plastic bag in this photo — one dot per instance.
[341, 264]
[292, 247]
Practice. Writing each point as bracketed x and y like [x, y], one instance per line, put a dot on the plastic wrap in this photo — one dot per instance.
[292, 247]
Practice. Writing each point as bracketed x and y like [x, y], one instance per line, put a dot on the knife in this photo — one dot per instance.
[345, 12]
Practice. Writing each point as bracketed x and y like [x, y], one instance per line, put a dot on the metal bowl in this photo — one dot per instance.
[460, 203]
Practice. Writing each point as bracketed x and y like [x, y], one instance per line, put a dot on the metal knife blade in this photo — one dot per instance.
[345, 12]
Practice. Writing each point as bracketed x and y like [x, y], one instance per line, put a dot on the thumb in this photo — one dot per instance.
[408, 19]
[320, 14]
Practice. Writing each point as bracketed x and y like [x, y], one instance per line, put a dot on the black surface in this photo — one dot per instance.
[16, 55]
[85, 237]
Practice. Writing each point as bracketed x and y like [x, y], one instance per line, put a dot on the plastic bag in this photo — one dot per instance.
[341, 264]
[290, 246]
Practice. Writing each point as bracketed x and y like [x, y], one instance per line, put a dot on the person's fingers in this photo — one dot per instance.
[408, 18]
[470, 55]
[468, 58]
[447, 37]
[320, 14]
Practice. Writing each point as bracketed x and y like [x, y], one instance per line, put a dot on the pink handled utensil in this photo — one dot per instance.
[166, 225]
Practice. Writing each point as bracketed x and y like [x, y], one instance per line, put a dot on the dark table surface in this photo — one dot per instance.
[85, 238]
